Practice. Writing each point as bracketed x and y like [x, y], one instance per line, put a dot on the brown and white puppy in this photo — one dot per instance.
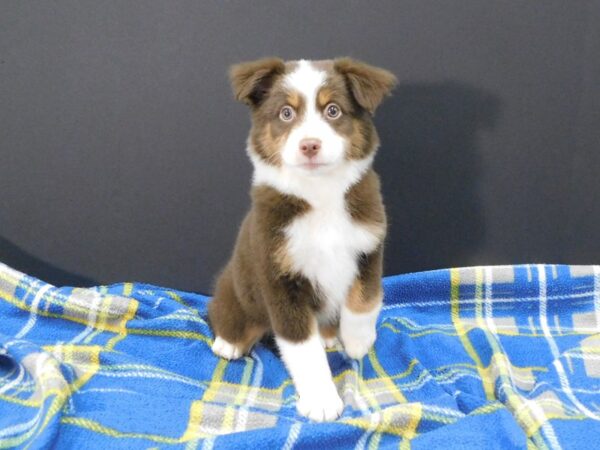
[307, 263]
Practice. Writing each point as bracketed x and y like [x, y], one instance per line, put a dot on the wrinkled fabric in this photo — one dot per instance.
[483, 357]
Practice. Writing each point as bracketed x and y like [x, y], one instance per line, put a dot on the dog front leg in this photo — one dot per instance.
[297, 335]
[307, 364]
[358, 316]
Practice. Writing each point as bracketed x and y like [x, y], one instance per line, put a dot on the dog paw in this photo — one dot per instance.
[226, 350]
[358, 347]
[328, 342]
[320, 405]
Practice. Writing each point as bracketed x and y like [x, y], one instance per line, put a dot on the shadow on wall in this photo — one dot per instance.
[19, 259]
[430, 164]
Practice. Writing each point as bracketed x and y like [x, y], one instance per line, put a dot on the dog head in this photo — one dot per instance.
[311, 117]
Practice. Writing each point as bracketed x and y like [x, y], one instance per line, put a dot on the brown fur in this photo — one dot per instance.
[369, 84]
[365, 204]
[366, 293]
[329, 331]
[258, 291]
[356, 87]
[257, 288]
[252, 80]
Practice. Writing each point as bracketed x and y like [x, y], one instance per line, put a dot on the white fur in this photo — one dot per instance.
[328, 342]
[323, 245]
[357, 330]
[307, 364]
[225, 349]
[307, 80]
[315, 187]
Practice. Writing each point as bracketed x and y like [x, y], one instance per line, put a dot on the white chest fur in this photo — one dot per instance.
[324, 245]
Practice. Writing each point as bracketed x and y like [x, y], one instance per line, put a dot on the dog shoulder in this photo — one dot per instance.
[274, 210]
[364, 201]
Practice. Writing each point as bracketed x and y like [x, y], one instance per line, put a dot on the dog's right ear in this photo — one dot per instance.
[252, 80]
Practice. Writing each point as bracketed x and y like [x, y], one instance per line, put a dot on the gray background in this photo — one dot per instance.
[122, 150]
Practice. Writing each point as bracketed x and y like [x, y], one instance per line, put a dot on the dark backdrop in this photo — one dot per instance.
[122, 150]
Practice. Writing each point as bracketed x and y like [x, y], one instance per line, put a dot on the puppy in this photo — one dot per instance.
[307, 263]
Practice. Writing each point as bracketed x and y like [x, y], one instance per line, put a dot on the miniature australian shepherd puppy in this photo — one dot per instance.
[307, 263]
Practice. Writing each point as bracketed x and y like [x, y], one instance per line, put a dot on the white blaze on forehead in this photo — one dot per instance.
[307, 80]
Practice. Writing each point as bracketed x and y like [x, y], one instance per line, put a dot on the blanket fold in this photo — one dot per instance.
[480, 357]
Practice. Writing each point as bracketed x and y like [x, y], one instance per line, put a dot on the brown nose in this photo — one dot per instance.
[310, 147]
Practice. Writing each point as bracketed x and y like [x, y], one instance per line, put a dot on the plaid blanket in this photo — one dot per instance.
[484, 357]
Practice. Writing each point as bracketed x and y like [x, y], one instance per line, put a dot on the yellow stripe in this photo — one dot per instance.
[462, 333]
[368, 383]
[395, 391]
[130, 314]
[193, 430]
[178, 298]
[499, 361]
[411, 427]
[171, 333]
[211, 392]
[28, 402]
[412, 410]
[99, 428]
[63, 394]
[375, 440]
[195, 419]
[363, 389]
[40, 312]
[469, 328]
[239, 397]
[127, 289]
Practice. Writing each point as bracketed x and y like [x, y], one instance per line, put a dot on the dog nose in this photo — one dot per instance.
[310, 147]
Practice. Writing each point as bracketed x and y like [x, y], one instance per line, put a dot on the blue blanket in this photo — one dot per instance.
[485, 357]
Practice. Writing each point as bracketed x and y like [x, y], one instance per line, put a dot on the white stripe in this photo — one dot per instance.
[6, 377]
[562, 376]
[14, 382]
[91, 318]
[374, 417]
[536, 410]
[488, 281]
[251, 399]
[33, 312]
[531, 325]
[21, 426]
[105, 390]
[597, 296]
[292, 436]
[557, 324]
[208, 443]
[140, 374]
[497, 300]
[89, 338]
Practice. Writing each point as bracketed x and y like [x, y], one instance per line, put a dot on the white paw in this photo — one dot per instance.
[226, 350]
[328, 342]
[320, 404]
[357, 347]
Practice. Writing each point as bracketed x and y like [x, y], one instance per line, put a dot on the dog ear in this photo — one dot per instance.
[252, 80]
[368, 84]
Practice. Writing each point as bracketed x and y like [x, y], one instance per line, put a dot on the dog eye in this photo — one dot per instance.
[287, 113]
[333, 111]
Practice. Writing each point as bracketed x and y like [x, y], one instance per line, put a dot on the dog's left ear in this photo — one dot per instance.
[252, 80]
[369, 84]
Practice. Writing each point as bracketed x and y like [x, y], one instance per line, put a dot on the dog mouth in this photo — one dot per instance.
[313, 165]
